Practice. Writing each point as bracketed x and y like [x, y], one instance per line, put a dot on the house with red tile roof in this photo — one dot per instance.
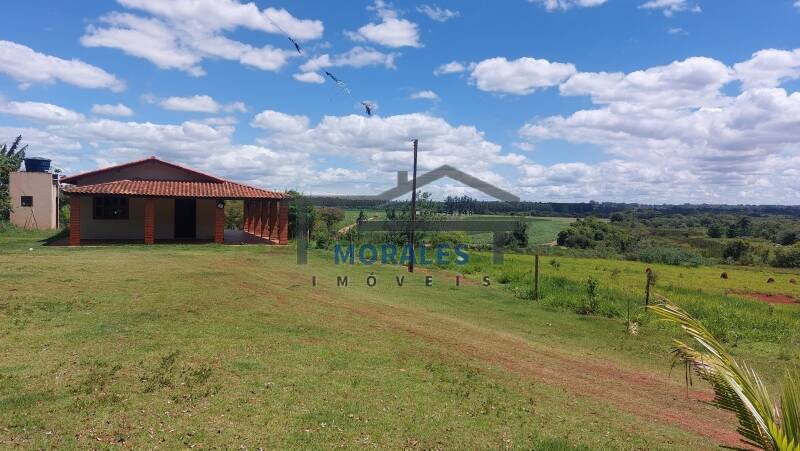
[154, 200]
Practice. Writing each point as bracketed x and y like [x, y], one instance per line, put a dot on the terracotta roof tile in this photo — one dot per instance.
[167, 188]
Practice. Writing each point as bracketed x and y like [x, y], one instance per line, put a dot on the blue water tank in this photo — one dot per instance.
[36, 164]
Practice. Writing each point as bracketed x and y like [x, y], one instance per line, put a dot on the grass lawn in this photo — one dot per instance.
[228, 346]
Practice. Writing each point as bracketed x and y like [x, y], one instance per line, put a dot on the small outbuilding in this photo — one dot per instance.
[154, 200]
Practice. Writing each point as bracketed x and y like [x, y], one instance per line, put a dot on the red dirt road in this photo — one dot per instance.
[640, 393]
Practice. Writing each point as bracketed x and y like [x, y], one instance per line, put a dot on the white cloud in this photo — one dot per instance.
[391, 31]
[355, 57]
[112, 110]
[563, 5]
[280, 122]
[383, 143]
[425, 95]
[30, 67]
[670, 7]
[677, 31]
[689, 83]
[200, 104]
[218, 15]
[44, 112]
[521, 76]
[673, 135]
[181, 34]
[436, 13]
[309, 77]
[769, 68]
[453, 67]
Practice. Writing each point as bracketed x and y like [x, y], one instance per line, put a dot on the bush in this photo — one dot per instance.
[788, 257]
[668, 256]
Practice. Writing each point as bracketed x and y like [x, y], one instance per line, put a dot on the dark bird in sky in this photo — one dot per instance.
[367, 107]
[296, 45]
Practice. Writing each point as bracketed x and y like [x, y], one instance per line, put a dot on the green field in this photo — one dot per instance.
[231, 346]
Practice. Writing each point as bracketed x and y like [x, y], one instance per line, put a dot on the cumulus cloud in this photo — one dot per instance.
[309, 77]
[521, 76]
[200, 104]
[769, 68]
[670, 7]
[563, 5]
[355, 57]
[436, 13]
[382, 143]
[672, 129]
[425, 95]
[29, 67]
[391, 31]
[44, 112]
[453, 67]
[112, 110]
[181, 34]
[280, 122]
[692, 82]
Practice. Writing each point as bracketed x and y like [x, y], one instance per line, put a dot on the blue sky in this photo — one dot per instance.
[556, 100]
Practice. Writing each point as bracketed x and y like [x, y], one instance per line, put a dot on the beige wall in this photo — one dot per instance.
[205, 218]
[113, 229]
[44, 213]
[133, 227]
[165, 219]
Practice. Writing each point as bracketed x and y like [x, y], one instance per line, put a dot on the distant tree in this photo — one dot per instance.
[787, 238]
[617, 217]
[330, 216]
[520, 234]
[714, 231]
[736, 250]
[10, 161]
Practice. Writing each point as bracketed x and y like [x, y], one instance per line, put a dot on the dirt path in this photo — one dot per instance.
[347, 228]
[640, 393]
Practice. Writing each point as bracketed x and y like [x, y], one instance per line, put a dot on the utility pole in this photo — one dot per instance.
[413, 208]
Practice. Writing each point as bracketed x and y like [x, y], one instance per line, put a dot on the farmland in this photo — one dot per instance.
[204, 345]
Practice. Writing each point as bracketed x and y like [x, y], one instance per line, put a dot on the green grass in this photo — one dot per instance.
[223, 346]
[541, 230]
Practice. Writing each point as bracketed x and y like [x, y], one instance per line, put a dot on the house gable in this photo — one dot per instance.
[148, 169]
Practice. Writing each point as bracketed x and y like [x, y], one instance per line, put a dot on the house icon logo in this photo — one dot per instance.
[404, 186]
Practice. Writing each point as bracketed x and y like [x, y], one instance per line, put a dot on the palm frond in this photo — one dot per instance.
[737, 387]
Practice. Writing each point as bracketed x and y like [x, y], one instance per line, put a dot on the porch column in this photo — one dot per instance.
[283, 223]
[257, 218]
[273, 220]
[219, 223]
[246, 216]
[149, 221]
[74, 220]
[263, 232]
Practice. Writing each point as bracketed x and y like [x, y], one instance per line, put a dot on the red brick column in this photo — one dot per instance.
[219, 223]
[257, 218]
[273, 220]
[74, 221]
[246, 215]
[283, 223]
[264, 230]
[149, 221]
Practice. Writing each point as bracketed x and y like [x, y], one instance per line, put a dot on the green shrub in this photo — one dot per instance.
[668, 256]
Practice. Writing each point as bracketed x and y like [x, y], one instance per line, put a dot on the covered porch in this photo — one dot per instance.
[98, 219]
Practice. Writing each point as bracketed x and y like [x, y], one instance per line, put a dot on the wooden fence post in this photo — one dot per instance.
[536, 278]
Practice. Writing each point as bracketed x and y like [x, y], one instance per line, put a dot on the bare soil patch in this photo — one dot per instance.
[771, 298]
